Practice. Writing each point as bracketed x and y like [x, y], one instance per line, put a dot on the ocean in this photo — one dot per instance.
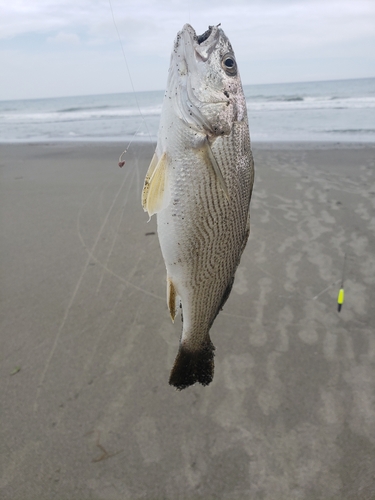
[340, 111]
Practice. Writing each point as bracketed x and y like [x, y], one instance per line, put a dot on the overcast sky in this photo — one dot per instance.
[54, 48]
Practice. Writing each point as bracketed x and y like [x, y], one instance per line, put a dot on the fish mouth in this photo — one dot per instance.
[203, 44]
[206, 35]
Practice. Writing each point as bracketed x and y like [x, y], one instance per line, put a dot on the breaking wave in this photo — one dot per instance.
[340, 110]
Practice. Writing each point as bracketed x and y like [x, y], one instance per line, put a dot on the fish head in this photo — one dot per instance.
[204, 82]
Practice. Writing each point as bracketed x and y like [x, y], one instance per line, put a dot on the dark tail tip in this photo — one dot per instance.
[193, 366]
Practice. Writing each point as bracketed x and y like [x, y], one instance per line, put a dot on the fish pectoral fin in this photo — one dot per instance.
[171, 298]
[146, 184]
[154, 189]
[216, 169]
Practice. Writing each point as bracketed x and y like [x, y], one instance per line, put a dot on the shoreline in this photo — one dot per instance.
[257, 144]
[87, 343]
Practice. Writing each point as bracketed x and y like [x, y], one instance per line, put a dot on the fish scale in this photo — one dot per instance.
[199, 184]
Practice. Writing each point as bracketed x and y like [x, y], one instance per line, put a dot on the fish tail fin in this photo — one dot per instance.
[193, 366]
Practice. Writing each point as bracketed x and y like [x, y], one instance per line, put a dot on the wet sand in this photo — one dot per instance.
[86, 341]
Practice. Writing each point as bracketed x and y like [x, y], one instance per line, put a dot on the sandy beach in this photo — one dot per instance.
[87, 344]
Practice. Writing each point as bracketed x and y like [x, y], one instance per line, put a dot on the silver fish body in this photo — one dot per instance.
[199, 184]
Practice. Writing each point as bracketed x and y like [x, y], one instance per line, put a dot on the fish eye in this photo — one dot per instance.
[229, 65]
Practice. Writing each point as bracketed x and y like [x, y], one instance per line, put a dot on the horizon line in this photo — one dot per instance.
[163, 90]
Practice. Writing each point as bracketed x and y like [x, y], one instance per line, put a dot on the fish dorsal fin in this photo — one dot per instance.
[216, 169]
[153, 194]
[171, 298]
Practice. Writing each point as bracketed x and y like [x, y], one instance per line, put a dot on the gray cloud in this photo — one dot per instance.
[275, 40]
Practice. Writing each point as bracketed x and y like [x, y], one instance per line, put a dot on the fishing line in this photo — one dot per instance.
[326, 289]
[121, 162]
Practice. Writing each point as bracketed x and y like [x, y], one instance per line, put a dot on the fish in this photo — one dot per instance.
[199, 185]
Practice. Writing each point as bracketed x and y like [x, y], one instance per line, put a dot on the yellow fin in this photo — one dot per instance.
[153, 194]
[217, 170]
[171, 298]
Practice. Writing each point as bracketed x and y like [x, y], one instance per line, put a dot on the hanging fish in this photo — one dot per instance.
[199, 184]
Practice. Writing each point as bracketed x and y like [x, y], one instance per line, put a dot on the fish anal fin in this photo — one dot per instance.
[193, 366]
[171, 298]
[154, 197]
